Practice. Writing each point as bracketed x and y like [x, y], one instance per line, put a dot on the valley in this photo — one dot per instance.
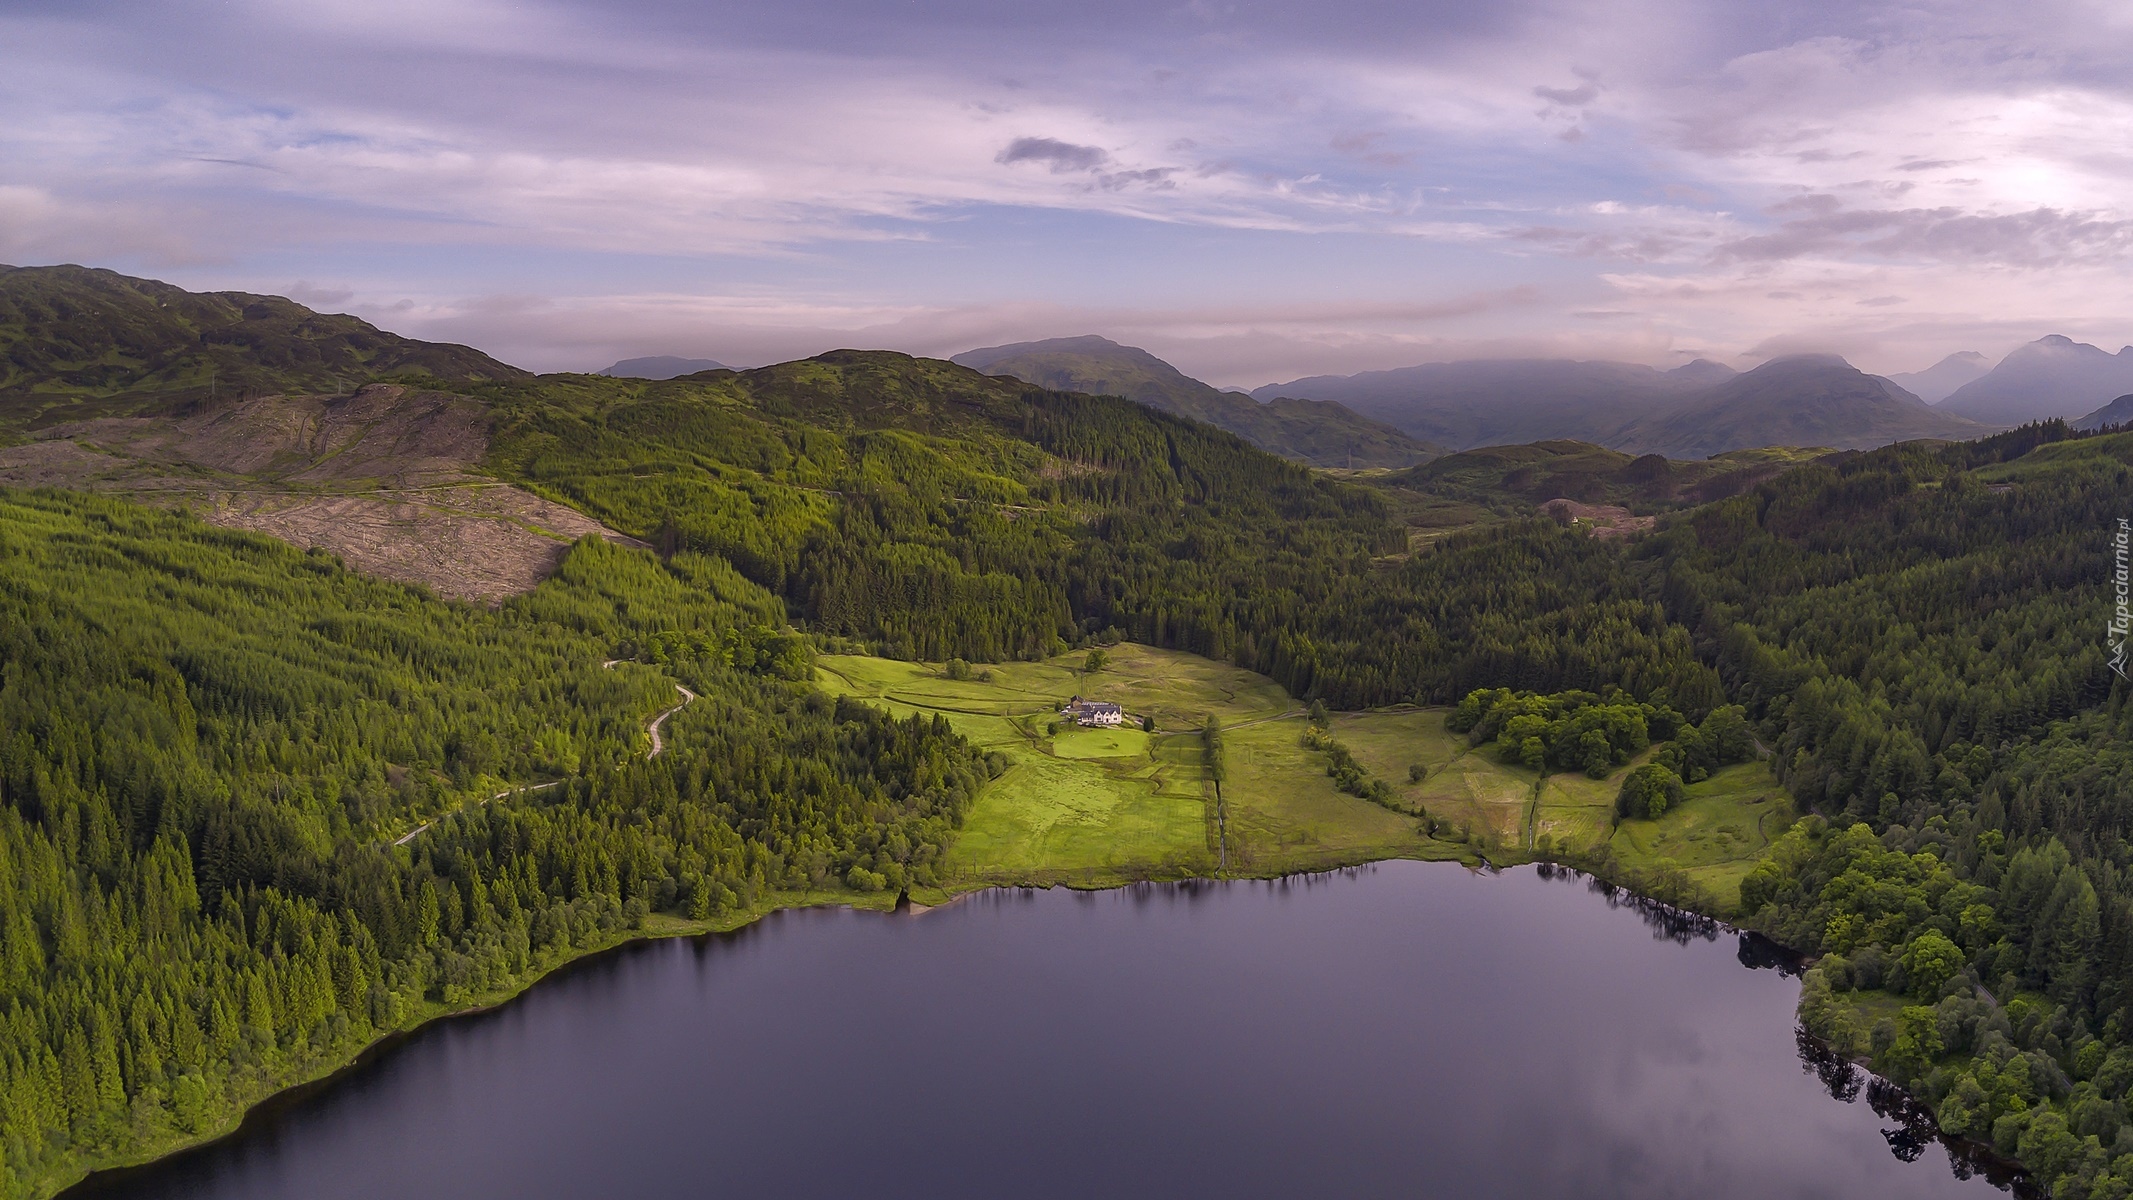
[1850, 699]
[1052, 600]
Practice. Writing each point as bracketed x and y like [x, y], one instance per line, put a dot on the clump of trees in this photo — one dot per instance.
[1564, 731]
[1721, 739]
[1582, 731]
[1648, 792]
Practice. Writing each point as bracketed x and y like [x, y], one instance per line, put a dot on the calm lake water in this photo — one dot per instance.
[1403, 1030]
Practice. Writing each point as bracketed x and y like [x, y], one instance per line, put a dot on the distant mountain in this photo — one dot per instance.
[1498, 402]
[2117, 412]
[1305, 430]
[1702, 409]
[662, 366]
[1798, 400]
[1939, 381]
[2051, 377]
[1702, 373]
[73, 336]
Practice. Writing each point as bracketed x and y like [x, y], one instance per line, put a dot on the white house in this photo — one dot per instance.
[1093, 712]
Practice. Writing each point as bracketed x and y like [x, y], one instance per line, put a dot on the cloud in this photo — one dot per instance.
[1060, 156]
[313, 296]
[36, 225]
[2039, 238]
[1576, 97]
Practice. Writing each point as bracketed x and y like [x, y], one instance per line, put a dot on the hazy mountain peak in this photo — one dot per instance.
[662, 366]
[1937, 382]
[1794, 400]
[1793, 362]
[1092, 345]
[1702, 372]
[1320, 434]
[2054, 376]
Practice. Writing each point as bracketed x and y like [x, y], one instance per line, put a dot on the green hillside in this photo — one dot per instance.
[77, 342]
[1320, 433]
[212, 741]
[925, 511]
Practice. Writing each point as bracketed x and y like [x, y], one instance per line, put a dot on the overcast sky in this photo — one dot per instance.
[1255, 191]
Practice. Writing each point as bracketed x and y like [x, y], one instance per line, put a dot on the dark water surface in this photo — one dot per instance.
[1403, 1030]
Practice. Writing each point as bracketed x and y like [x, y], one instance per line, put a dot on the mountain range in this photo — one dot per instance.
[1317, 432]
[1700, 409]
[79, 343]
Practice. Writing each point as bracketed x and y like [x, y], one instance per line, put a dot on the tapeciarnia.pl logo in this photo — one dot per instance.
[2122, 589]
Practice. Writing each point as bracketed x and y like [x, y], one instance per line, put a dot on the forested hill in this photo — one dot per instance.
[926, 510]
[85, 342]
[208, 741]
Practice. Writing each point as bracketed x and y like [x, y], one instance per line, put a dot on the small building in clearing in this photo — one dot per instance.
[1093, 713]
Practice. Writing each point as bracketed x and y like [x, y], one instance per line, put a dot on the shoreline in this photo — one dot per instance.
[95, 1179]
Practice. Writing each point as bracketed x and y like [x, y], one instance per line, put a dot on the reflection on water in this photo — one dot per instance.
[1402, 1030]
[1914, 1130]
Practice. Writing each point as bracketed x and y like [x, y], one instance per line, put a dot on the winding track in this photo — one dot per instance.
[652, 728]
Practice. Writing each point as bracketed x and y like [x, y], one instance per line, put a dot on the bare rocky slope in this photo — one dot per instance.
[260, 414]
[384, 477]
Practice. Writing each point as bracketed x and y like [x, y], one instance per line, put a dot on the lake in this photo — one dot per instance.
[1406, 1029]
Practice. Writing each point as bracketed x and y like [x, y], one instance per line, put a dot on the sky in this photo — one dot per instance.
[1255, 191]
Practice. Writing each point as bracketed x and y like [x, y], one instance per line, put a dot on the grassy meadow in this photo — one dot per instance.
[1510, 812]
[1099, 806]
[1092, 807]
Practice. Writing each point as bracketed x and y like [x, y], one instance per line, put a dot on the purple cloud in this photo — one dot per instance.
[1059, 156]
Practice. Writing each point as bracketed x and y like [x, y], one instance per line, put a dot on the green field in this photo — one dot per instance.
[1102, 806]
[1471, 789]
[1723, 827]
[1099, 806]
